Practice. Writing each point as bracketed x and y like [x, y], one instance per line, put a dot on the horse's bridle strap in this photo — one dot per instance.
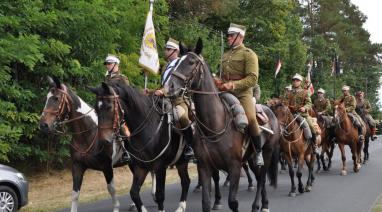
[179, 75]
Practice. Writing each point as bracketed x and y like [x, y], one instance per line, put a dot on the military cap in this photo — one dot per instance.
[297, 76]
[111, 59]
[289, 87]
[172, 44]
[320, 90]
[345, 88]
[236, 28]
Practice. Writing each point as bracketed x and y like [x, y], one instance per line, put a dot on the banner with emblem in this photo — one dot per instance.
[149, 59]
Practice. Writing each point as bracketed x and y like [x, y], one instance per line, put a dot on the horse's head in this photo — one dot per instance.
[188, 72]
[339, 110]
[57, 106]
[109, 110]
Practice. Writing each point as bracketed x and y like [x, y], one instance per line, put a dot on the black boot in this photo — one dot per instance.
[259, 160]
[188, 136]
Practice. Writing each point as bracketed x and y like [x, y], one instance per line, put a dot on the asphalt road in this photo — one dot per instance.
[331, 192]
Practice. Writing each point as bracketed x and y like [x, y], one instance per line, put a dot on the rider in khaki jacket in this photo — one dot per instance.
[240, 71]
[322, 104]
[364, 105]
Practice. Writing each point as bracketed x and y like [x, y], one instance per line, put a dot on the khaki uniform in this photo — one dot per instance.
[323, 106]
[364, 105]
[300, 98]
[240, 65]
[116, 78]
[350, 104]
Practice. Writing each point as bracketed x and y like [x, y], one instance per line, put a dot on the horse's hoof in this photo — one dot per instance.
[344, 173]
[197, 189]
[265, 210]
[301, 190]
[292, 194]
[217, 207]
[132, 207]
[251, 188]
[308, 188]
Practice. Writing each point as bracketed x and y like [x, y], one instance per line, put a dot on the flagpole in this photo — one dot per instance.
[221, 54]
[144, 71]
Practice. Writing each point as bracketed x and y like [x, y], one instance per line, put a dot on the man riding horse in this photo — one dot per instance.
[321, 104]
[363, 105]
[172, 58]
[240, 71]
[113, 77]
[299, 104]
[350, 105]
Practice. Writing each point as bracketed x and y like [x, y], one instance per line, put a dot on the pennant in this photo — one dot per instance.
[308, 82]
[149, 59]
[278, 67]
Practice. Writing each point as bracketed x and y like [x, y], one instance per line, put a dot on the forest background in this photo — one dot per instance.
[70, 39]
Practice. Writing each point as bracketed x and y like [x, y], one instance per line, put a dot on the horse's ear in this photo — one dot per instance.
[50, 81]
[94, 90]
[106, 88]
[199, 46]
[57, 82]
[182, 49]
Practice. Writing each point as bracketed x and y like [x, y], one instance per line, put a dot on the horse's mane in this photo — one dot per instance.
[133, 97]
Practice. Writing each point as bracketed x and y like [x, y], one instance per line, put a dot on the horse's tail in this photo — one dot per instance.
[273, 169]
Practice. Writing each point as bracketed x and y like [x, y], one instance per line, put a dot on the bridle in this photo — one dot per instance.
[285, 132]
[198, 69]
[63, 111]
[119, 121]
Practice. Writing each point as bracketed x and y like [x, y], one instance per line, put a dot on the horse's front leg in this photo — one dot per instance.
[205, 178]
[234, 185]
[185, 182]
[138, 179]
[218, 195]
[355, 157]
[77, 174]
[341, 146]
[250, 181]
[160, 175]
[259, 171]
[299, 172]
[309, 160]
[108, 173]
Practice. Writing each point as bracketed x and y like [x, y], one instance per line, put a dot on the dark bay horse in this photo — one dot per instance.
[362, 114]
[327, 141]
[87, 152]
[153, 144]
[293, 145]
[347, 134]
[217, 143]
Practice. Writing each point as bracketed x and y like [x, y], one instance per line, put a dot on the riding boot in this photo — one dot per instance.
[373, 131]
[360, 135]
[188, 136]
[259, 160]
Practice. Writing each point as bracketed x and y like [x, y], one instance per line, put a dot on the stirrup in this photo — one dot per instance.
[125, 157]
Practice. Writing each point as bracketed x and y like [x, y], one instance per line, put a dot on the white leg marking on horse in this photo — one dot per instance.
[47, 99]
[182, 207]
[75, 196]
[154, 184]
[144, 209]
[85, 108]
[111, 189]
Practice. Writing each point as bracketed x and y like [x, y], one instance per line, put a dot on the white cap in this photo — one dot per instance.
[345, 88]
[172, 44]
[289, 87]
[297, 76]
[236, 28]
[111, 59]
[320, 90]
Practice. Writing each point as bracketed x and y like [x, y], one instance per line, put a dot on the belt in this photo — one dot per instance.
[229, 77]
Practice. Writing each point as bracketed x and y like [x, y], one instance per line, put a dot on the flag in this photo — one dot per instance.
[149, 59]
[308, 82]
[278, 67]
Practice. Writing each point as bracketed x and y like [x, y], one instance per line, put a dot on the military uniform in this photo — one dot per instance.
[322, 105]
[364, 104]
[116, 78]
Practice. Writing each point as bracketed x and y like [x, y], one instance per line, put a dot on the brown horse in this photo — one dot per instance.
[293, 145]
[327, 141]
[218, 143]
[347, 134]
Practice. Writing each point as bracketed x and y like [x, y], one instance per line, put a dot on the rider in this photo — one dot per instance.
[300, 103]
[350, 104]
[364, 104]
[322, 104]
[240, 71]
[172, 56]
[113, 76]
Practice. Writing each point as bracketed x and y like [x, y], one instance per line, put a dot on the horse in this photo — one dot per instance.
[293, 145]
[362, 114]
[347, 134]
[62, 107]
[154, 143]
[327, 142]
[217, 142]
